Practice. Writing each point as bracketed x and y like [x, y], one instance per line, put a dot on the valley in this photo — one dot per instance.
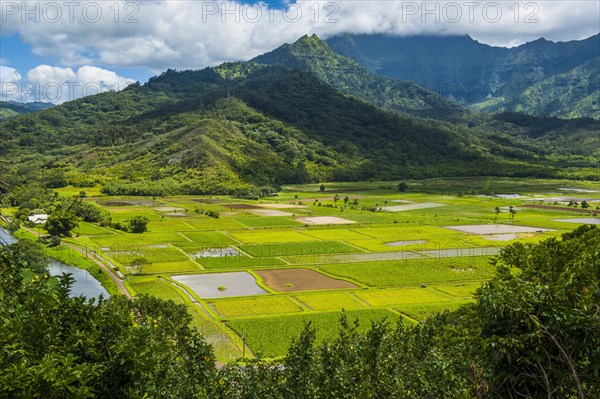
[253, 276]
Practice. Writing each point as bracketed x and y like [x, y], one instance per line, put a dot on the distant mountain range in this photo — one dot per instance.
[13, 108]
[298, 114]
[540, 78]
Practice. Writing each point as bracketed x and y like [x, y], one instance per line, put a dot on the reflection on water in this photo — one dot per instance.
[6, 237]
[85, 284]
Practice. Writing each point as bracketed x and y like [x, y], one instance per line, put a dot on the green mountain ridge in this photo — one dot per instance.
[314, 55]
[228, 129]
[9, 109]
[491, 79]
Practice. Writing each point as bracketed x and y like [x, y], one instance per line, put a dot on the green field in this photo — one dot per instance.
[271, 336]
[401, 263]
[255, 306]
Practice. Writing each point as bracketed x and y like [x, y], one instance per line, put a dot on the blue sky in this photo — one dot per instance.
[133, 40]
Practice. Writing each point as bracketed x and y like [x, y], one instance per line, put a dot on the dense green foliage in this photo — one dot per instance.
[311, 116]
[54, 346]
[540, 77]
[11, 108]
[533, 332]
[313, 55]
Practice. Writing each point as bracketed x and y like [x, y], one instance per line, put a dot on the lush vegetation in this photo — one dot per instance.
[299, 114]
[540, 77]
[533, 331]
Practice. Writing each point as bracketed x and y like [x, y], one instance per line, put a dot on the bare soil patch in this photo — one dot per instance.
[294, 280]
[268, 212]
[281, 206]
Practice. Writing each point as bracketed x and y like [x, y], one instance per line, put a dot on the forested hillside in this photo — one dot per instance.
[243, 125]
[541, 77]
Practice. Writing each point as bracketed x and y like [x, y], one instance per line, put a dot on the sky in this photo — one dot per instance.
[59, 50]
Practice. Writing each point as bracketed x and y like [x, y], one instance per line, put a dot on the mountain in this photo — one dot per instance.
[13, 108]
[238, 126]
[313, 55]
[488, 78]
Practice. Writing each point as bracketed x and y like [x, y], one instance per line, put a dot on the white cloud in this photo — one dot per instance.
[56, 84]
[9, 75]
[194, 34]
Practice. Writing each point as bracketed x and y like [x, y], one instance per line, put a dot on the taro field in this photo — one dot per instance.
[254, 275]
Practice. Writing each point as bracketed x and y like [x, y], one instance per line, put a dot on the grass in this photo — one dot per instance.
[152, 255]
[341, 234]
[208, 238]
[422, 311]
[236, 262]
[413, 272]
[329, 301]
[170, 267]
[90, 229]
[465, 290]
[128, 240]
[294, 249]
[270, 236]
[272, 335]
[156, 287]
[209, 223]
[400, 296]
[255, 306]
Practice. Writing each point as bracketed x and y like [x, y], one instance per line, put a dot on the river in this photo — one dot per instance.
[85, 284]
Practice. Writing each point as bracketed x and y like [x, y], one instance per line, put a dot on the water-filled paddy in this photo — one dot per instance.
[580, 220]
[221, 285]
[216, 253]
[496, 229]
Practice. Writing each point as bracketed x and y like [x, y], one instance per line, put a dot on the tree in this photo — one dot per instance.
[336, 198]
[584, 204]
[497, 213]
[322, 187]
[512, 211]
[402, 187]
[54, 346]
[539, 320]
[61, 223]
[346, 199]
[138, 224]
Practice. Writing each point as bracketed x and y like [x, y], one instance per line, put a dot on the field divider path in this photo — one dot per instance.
[99, 260]
[188, 256]
[298, 302]
[360, 300]
[189, 225]
[184, 236]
